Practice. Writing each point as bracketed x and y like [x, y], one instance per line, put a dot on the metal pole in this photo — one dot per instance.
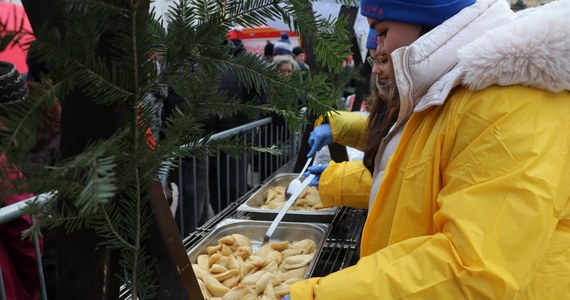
[195, 194]
[219, 181]
[2, 291]
[43, 292]
[181, 197]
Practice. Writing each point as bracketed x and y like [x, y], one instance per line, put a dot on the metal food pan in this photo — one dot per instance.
[254, 203]
[255, 231]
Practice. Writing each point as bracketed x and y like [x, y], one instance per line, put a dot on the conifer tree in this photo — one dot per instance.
[107, 180]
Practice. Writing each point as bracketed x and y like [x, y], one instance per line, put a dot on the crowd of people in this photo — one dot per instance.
[18, 261]
[199, 204]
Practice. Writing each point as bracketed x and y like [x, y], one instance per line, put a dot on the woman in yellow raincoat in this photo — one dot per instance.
[473, 202]
[348, 183]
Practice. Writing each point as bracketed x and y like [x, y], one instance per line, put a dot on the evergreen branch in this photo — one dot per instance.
[251, 13]
[169, 163]
[195, 30]
[68, 217]
[100, 184]
[233, 147]
[80, 6]
[104, 91]
[33, 231]
[330, 38]
[137, 245]
[22, 123]
[120, 167]
[113, 231]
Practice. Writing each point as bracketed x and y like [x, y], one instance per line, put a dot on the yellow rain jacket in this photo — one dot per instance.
[475, 200]
[347, 183]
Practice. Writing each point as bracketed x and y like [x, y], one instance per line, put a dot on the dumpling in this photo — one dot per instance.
[306, 245]
[241, 292]
[214, 286]
[297, 261]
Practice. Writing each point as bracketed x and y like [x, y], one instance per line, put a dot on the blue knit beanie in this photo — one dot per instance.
[283, 46]
[420, 12]
[372, 41]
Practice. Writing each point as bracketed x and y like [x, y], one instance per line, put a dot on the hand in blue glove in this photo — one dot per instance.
[317, 170]
[320, 136]
[286, 297]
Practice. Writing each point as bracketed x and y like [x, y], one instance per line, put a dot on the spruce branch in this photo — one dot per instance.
[114, 230]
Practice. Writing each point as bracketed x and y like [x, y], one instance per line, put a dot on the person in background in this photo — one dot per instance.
[348, 183]
[18, 261]
[377, 102]
[372, 42]
[284, 65]
[46, 150]
[384, 108]
[268, 51]
[300, 57]
[479, 167]
[224, 190]
[299, 54]
[193, 206]
[187, 186]
[349, 62]
[283, 57]
[283, 46]
[234, 40]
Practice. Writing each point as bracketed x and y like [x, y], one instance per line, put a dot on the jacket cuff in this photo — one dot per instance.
[303, 290]
[330, 185]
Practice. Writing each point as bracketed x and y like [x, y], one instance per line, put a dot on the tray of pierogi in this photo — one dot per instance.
[230, 262]
[265, 203]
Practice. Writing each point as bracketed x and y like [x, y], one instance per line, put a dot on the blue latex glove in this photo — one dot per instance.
[317, 170]
[286, 297]
[320, 136]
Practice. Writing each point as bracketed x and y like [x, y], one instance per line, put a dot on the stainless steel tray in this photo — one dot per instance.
[254, 203]
[255, 230]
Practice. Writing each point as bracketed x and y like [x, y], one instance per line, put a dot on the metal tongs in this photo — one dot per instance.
[286, 207]
[295, 184]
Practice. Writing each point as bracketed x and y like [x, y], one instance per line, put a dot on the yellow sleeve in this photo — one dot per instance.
[504, 192]
[349, 129]
[345, 184]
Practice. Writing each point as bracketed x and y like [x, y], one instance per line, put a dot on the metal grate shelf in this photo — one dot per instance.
[340, 249]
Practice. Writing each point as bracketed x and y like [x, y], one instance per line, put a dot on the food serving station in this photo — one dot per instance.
[335, 231]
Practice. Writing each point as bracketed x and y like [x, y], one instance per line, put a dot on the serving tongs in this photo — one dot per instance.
[295, 194]
[295, 184]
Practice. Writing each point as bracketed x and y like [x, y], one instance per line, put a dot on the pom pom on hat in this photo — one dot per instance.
[372, 40]
[283, 46]
[298, 50]
[13, 88]
[420, 12]
[285, 38]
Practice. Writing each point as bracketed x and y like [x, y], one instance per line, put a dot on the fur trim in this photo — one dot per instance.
[281, 59]
[532, 50]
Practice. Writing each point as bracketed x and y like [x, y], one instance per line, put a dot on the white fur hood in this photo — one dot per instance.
[532, 50]
[486, 44]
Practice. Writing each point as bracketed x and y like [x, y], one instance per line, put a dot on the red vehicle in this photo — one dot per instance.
[255, 39]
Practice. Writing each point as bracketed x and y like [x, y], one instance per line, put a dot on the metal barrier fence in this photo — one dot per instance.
[207, 187]
[12, 212]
